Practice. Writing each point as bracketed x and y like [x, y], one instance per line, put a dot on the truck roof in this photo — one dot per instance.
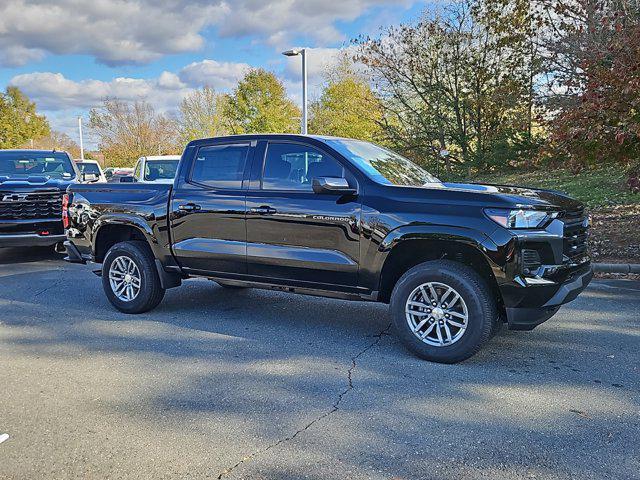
[30, 150]
[258, 136]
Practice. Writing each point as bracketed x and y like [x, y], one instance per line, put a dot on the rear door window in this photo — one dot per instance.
[220, 166]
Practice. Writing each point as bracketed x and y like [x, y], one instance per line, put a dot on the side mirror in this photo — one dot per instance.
[90, 177]
[332, 185]
[127, 179]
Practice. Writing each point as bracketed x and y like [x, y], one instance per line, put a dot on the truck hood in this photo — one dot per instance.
[34, 184]
[507, 195]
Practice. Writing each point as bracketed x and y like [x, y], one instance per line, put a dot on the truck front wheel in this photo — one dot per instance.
[443, 311]
[130, 279]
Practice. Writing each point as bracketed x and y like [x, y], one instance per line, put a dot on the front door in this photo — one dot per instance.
[293, 234]
[208, 211]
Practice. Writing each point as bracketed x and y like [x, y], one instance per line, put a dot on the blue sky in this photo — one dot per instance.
[67, 55]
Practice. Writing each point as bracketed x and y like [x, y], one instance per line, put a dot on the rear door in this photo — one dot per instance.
[293, 234]
[208, 210]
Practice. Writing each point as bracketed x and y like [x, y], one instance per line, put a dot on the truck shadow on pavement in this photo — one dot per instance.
[279, 385]
[11, 255]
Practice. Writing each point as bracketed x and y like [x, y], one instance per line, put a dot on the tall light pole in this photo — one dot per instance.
[81, 142]
[293, 53]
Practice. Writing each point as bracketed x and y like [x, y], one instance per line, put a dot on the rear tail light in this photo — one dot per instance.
[66, 200]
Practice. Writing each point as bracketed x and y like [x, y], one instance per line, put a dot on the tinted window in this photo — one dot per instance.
[26, 164]
[160, 169]
[90, 168]
[290, 166]
[220, 166]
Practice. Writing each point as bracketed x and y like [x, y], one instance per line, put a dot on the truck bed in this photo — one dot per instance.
[143, 205]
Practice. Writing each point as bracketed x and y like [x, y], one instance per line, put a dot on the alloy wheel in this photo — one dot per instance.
[124, 278]
[437, 314]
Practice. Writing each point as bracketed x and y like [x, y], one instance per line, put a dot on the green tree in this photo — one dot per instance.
[458, 81]
[202, 115]
[347, 107]
[19, 121]
[259, 104]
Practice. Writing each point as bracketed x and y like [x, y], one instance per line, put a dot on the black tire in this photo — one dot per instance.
[481, 308]
[151, 292]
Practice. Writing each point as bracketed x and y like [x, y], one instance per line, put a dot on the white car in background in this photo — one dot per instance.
[157, 169]
[90, 170]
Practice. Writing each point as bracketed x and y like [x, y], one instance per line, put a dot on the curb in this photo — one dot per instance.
[617, 267]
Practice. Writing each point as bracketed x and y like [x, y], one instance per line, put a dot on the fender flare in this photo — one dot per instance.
[469, 236]
[443, 233]
[126, 220]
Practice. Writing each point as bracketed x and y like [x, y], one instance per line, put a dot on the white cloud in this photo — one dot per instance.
[139, 31]
[114, 31]
[54, 92]
[319, 61]
[170, 81]
[278, 20]
[62, 100]
[18, 55]
[218, 75]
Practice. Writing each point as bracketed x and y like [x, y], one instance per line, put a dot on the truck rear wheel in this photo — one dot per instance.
[130, 279]
[443, 311]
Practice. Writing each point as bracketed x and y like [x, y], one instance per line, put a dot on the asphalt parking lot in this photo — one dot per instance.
[254, 384]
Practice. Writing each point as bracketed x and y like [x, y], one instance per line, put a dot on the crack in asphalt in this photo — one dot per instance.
[52, 285]
[334, 408]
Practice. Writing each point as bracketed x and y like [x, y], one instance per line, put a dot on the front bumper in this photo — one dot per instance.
[30, 240]
[38, 232]
[527, 305]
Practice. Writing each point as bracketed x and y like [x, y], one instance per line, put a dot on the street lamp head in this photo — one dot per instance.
[293, 52]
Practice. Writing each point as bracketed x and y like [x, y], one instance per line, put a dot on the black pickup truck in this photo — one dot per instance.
[32, 183]
[338, 218]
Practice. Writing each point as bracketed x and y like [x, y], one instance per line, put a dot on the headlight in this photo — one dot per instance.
[520, 218]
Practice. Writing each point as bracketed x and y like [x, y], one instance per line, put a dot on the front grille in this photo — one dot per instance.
[15, 206]
[576, 234]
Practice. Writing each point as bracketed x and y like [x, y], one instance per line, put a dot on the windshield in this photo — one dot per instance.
[28, 164]
[382, 165]
[160, 169]
[90, 168]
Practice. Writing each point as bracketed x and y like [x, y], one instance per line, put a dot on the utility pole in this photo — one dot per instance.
[81, 141]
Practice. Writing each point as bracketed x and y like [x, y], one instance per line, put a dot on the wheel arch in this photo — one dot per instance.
[111, 230]
[403, 249]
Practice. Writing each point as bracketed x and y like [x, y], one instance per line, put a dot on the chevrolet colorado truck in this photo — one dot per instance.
[338, 218]
[32, 183]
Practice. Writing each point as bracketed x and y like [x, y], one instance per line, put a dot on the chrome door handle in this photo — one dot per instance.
[264, 210]
[189, 207]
